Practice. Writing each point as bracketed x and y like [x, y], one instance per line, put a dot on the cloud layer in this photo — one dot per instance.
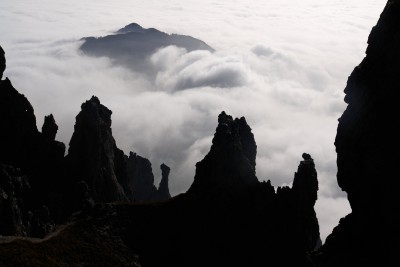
[281, 64]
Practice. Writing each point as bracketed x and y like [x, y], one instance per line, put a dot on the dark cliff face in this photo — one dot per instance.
[14, 193]
[367, 145]
[140, 178]
[19, 134]
[28, 153]
[23, 146]
[2, 62]
[368, 131]
[92, 153]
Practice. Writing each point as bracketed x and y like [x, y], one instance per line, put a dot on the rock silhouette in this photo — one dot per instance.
[163, 188]
[367, 145]
[227, 215]
[49, 128]
[92, 152]
[231, 160]
[227, 212]
[25, 148]
[141, 180]
[37, 161]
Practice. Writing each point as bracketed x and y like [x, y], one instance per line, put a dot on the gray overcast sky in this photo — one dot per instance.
[286, 61]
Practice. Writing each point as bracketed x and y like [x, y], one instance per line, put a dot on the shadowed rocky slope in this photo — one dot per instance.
[367, 144]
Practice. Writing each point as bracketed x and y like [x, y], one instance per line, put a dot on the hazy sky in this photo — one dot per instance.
[285, 64]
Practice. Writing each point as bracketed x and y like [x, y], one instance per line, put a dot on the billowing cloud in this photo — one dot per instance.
[281, 64]
[179, 70]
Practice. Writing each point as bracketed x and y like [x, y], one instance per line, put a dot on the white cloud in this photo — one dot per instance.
[179, 70]
[329, 211]
[281, 64]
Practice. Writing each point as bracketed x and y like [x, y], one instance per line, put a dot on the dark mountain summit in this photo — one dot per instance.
[367, 144]
[133, 27]
[132, 46]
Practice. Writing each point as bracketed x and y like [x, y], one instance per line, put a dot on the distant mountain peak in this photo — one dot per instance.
[133, 45]
[133, 27]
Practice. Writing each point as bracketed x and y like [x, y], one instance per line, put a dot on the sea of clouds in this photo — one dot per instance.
[283, 64]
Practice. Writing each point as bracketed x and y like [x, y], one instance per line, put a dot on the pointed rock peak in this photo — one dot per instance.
[231, 160]
[2, 62]
[236, 130]
[305, 182]
[96, 112]
[49, 128]
[93, 153]
[165, 169]
[306, 156]
[94, 100]
[163, 188]
[223, 117]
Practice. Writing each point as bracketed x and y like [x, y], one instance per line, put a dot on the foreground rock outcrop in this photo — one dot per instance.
[367, 144]
[226, 218]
